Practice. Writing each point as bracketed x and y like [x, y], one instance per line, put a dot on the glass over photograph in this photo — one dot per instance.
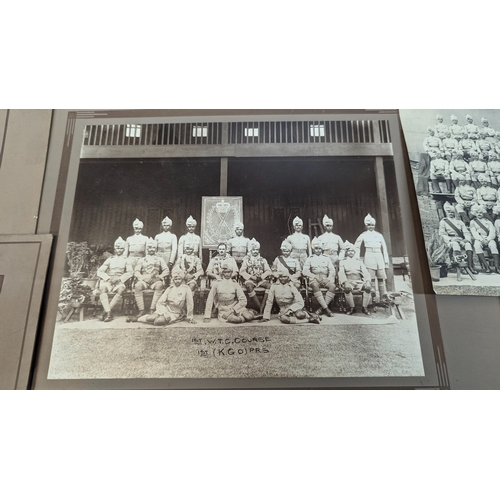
[184, 261]
[455, 163]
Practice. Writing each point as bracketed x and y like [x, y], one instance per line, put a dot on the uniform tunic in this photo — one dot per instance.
[292, 266]
[319, 267]
[255, 267]
[432, 143]
[195, 241]
[467, 145]
[301, 246]
[176, 301]
[238, 247]
[228, 297]
[457, 131]
[135, 248]
[376, 255]
[114, 267]
[332, 245]
[217, 262]
[450, 236]
[191, 266]
[483, 238]
[353, 272]
[465, 195]
[441, 130]
[167, 246]
[151, 269]
[287, 297]
[459, 167]
[450, 144]
[472, 131]
[439, 169]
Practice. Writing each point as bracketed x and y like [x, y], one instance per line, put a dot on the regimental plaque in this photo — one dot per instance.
[219, 214]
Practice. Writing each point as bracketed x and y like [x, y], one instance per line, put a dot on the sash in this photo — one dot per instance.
[481, 225]
[282, 260]
[455, 228]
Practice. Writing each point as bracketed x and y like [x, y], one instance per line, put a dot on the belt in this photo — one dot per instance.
[226, 302]
[135, 254]
[373, 250]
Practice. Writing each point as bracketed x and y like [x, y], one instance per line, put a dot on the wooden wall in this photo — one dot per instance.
[111, 194]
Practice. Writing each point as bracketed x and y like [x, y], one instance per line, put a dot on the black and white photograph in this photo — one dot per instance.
[455, 163]
[236, 250]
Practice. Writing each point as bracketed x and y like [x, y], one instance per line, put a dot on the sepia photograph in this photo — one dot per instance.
[265, 249]
[455, 163]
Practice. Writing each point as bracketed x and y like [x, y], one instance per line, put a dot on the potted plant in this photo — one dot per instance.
[73, 293]
[438, 255]
[76, 253]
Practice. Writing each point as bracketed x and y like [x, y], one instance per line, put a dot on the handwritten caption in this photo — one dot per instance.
[233, 346]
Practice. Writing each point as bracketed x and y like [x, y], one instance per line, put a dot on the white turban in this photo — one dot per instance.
[439, 117]
[254, 244]
[138, 223]
[120, 242]
[453, 117]
[348, 246]
[369, 220]
[448, 207]
[297, 220]
[484, 120]
[167, 221]
[286, 245]
[468, 117]
[316, 243]
[327, 220]
[239, 225]
[152, 242]
[190, 220]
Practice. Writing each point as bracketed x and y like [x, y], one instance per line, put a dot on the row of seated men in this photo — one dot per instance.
[481, 235]
[326, 262]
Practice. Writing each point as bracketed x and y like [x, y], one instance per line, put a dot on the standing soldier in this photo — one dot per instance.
[494, 168]
[285, 262]
[136, 244]
[456, 129]
[372, 249]
[167, 243]
[484, 234]
[353, 275]
[489, 133]
[150, 272]
[301, 243]
[466, 197]
[332, 243]
[471, 129]
[175, 304]
[190, 267]
[255, 270]
[113, 274]
[194, 239]
[238, 246]
[219, 261]
[289, 301]
[478, 167]
[456, 235]
[440, 128]
[230, 301]
[321, 273]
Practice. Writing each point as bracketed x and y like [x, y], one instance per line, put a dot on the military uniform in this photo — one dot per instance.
[467, 146]
[494, 168]
[217, 263]
[192, 269]
[332, 245]
[483, 237]
[136, 248]
[255, 267]
[290, 265]
[149, 271]
[194, 240]
[441, 130]
[376, 256]
[238, 247]
[477, 167]
[455, 238]
[230, 301]
[458, 166]
[167, 247]
[456, 130]
[353, 275]
[289, 301]
[301, 246]
[450, 144]
[432, 144]
[489, 133]
[465, 196]
[471, 130]
[175, 303]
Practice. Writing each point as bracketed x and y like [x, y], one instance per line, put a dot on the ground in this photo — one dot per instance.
[343, 346]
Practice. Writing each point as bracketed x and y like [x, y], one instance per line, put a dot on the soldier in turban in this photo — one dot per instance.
[167, 243]
[285, 262]
[190, 267]
[238, 246]
[194, 239]
[484, 236]
[136, 244]
[113, 274]
[332, 243]
[301, 243]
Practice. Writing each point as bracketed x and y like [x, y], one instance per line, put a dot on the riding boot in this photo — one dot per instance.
[470, 262]
[484, 264]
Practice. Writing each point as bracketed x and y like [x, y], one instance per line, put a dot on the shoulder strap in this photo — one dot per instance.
[482, 226]
[282, 260]
[455, 228]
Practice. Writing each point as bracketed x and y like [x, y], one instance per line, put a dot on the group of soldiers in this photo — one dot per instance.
[323, 264]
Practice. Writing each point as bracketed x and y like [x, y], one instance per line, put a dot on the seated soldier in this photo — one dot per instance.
[113, 274]
[190, 237]
[353, 275]
[319, 269]
[494, 169]
[217, 262]
[458, 166]
[456, 235]
[150, 272]
[167, 243]
[465, 196]
[289, 301]
[488, 197]
[301, 243]
[467, 146]
[255, 270]
[484, 235]
[372, 249]
[332, 243]
[440, 173]
[190, 267]
[175, 304]
[478, 167]
[228, 297]
[456, 130]
[285, 262]
[449, 143]
[483, 146]
[432, 143]
[239, 245]
[136, 244]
